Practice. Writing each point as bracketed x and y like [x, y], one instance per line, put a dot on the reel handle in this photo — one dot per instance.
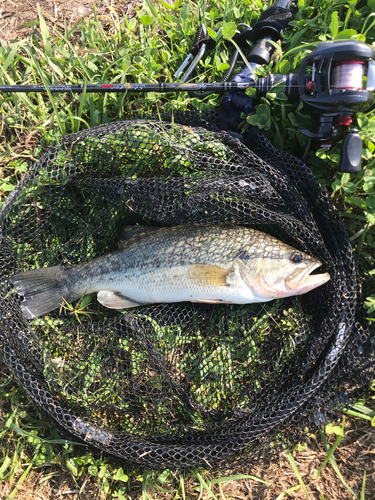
[351, 152]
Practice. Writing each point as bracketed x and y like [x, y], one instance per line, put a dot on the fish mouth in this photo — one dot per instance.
[307, 281]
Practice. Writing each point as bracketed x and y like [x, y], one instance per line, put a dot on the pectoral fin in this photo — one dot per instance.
[209, 275]
[114, 300]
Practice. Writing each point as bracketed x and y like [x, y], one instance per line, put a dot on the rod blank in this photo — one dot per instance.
[131, 87]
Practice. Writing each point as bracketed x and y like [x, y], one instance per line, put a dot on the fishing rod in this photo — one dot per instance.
[217, 87]
[330, 81]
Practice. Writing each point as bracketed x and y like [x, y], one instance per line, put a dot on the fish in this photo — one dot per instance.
[193, 263]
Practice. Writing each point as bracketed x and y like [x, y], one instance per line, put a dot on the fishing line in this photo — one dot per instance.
[348, 75]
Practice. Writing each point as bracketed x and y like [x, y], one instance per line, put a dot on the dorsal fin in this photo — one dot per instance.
[129, 232]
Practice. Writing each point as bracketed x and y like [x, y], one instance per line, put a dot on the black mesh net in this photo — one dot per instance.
[181, 384]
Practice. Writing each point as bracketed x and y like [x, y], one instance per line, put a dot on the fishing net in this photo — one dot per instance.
[181, 384]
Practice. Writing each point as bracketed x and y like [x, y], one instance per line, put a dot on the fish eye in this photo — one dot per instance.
[296, 257]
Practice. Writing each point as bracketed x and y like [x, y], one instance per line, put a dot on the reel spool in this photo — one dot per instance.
[348, 75]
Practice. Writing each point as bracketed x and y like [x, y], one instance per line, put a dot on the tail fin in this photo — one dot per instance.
[42, 289]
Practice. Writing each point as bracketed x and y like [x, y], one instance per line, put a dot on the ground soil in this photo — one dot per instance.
[17, 16]
[354, 456]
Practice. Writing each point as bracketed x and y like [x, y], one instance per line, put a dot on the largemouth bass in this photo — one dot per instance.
[212, 264]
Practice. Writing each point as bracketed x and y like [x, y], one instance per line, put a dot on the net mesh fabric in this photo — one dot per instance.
[181, 384]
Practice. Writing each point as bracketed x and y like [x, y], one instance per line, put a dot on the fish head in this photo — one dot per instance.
[281, 271]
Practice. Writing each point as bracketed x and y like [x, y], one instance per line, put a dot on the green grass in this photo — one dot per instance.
[147, 48]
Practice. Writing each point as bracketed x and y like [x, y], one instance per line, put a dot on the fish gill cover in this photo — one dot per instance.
[181, 384]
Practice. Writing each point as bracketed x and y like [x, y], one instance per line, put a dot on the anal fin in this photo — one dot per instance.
[114, 300]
